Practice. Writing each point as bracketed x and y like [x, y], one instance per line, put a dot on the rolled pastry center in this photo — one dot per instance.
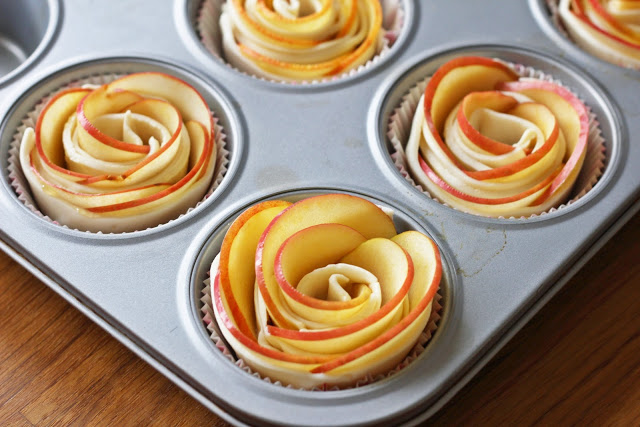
[338, 282]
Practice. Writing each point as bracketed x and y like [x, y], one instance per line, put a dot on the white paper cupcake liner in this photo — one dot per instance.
[399, 127]
[21, 186]
[209, 320]
[552, 5]
[208, 31]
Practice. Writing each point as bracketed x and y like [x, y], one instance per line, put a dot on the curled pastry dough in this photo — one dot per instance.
[486, 142]
[322, 291]
[125, 156]
[301, 40]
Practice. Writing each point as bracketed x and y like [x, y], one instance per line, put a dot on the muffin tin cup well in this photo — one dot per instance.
[388, 388]
[391, 114]
[198, 24]
[226, 127]
[26, 29]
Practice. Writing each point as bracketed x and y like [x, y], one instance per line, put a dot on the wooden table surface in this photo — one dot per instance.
[576, 362]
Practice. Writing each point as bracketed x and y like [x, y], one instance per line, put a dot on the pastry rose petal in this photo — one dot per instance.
[486, 142]
[300, 40]
[322, 291]
[125, 156]
[608, 29]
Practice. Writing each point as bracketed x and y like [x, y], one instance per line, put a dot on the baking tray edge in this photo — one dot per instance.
[473, 369]
[112, 330]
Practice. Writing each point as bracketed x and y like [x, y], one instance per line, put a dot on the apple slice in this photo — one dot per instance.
[96, 162]
[597, 35]
[309, 249]
[153, 204]
[458, 197]
[388, 349]
[171, 161]
[405, 269]
[450, 84]
[237, 254]
[286, 32]
[393, 268]
[457, 78]
[339, 294]
[598, 14]
[573, 120]
[183, 193]
[492, 100]
[97, 143]
[50, 125]
[314, 286]
[476, 171]
[544, 119]
[249, 349]
[338, 37]
[184, 97]
[355, 212]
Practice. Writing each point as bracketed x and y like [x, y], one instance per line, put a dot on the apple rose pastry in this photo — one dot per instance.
[128, 155]
[322, 291]
[490, 143]
[608, 29]
[300, 40]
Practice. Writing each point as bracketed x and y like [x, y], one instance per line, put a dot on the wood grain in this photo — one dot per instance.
[576, 362]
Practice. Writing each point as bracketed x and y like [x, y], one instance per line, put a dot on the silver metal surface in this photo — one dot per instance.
[291, 139]
[26, 29]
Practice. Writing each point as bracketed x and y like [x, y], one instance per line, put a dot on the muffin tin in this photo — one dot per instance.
[290, 141]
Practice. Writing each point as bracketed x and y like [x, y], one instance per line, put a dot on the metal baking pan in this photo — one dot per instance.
[302, 140]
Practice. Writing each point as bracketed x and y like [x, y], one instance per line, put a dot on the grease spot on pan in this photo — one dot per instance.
[483, 251]
[479, 247]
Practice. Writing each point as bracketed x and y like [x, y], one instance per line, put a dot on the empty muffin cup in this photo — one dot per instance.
[26, 29]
